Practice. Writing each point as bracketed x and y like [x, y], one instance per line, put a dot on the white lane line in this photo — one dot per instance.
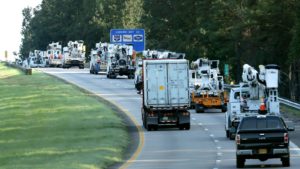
[193, 118]
[206, 129]
[120, 94]
[219, 154]
[218, 161]
[294, 148]
[219, 147]
[200, 124]
[211, 135]
[216, 141]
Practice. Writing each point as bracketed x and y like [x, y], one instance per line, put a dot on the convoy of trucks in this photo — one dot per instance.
[170, 89]
[166, 95]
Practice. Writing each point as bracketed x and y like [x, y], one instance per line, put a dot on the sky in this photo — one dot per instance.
[11, 24]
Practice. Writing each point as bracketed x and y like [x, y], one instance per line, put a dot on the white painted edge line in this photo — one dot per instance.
[294, 148]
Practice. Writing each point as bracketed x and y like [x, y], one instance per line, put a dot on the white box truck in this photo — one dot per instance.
[166, 95]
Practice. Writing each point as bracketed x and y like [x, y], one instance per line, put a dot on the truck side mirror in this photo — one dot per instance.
[290, 126]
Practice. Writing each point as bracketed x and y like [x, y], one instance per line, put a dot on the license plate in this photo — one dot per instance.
[262, 151]
[165, 118]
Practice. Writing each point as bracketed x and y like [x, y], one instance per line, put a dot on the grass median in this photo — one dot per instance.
[292, 111]
[46, 123]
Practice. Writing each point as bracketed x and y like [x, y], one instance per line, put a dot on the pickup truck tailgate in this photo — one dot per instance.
[262, 139]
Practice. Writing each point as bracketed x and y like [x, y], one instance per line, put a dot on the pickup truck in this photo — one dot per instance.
[262, 137]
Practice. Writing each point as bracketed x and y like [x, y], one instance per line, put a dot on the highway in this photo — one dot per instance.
[204, 146]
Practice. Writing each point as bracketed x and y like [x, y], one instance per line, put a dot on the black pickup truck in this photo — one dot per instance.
[262, 137]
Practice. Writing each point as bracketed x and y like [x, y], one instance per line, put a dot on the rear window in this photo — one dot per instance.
[255, 123]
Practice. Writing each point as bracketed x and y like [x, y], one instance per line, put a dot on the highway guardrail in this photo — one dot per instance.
[290, 103]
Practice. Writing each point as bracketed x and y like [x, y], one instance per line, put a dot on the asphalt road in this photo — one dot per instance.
[204, 146]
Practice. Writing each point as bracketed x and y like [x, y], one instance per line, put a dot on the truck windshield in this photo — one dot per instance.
[254, 123]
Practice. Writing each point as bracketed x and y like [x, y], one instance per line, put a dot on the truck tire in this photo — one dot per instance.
[199, 108]
[144, 122]
[185, 126]
[224, 108]
[152, 127]
[240, 162]
[285, 161]
[227, 133]
[231, 136]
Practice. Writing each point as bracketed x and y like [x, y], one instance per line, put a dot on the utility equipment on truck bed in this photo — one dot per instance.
[166, 96]
[37, 59]
[99, 58]
[257, 94]
[74, 54]
[120, 61]
[54, 53]
[208, 88]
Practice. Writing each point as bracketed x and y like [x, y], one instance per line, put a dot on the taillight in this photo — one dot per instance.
[286, 138]
[238, 139]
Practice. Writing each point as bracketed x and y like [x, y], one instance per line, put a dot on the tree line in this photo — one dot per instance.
[234, 31]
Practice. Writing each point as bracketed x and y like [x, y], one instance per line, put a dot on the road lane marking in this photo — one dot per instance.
[200, 124]
[141, 137]
[294, 148]
[206, 129]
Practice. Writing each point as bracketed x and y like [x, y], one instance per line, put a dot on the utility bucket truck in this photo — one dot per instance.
[74, 54]
[54, 53]
[208, 89]
[166, 96]
[99, 57]
[257, 94]
[120, 61]
[37, 59]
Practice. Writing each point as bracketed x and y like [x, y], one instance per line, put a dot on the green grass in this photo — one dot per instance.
[290, 110]
[45, 123]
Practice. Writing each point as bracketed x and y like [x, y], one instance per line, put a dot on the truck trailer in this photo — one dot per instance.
[166, 95]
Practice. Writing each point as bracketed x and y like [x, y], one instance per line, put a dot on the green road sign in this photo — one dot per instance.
[226, 70]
